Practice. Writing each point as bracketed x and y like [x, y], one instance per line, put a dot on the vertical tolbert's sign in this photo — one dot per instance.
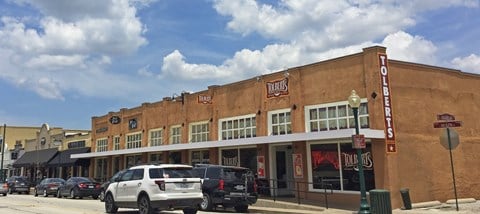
[387, 105]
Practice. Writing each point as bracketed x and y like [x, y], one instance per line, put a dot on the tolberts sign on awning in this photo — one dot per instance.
[277, 88]
[387, 105]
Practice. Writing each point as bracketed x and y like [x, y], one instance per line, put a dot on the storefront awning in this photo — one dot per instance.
[308, 136]
[63, 158]
[33, 158]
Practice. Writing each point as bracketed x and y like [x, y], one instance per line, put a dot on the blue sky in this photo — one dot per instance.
[62, 62]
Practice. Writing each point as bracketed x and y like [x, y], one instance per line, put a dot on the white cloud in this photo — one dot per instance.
[470, 64]
[145, 71]
[72, 39]
[405, 47]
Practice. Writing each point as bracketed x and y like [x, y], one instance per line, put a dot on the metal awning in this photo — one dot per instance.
[33, 158]
[63, 158]
[308, 136]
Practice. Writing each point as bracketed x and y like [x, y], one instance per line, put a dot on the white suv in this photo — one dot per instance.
[155, 187]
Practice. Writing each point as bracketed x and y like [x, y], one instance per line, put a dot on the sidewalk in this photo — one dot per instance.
[286, 206]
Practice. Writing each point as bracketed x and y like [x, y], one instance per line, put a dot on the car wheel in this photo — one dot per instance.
[45, 194]
[241, 208]
[72, 194]
[110, 206]
[206, 203]
[95, 197]
[35, 193]
[190, 210]
[4, 194]
[144, 206]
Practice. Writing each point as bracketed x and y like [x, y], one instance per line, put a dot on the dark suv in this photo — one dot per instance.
[227, 186]
[18, 184]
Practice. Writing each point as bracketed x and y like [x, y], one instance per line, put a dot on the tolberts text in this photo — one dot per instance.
[277, 88]
[386, 95]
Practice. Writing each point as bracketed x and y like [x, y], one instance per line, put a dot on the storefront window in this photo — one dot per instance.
[200, 157]
[133, 160]
[335, 165]
[244, 157]
[100, 169]
[156, 158]
[175, 157]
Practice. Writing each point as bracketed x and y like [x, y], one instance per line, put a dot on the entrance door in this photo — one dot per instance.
[282, 170]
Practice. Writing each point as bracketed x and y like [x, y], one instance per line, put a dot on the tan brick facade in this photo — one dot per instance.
[417, 93]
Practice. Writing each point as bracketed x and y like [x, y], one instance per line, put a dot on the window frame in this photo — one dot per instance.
[201, 134]
[349, 117]
[101, 145]
[174, 137]
[136, 143]
[157, 140]
[237, 131]
[288, 125]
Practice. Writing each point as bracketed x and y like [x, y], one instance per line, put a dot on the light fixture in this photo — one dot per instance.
[354, 100]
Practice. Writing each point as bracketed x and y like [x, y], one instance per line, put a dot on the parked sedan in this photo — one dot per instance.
[18, 184]
[3, 188]
[79, 187]
[48, 186]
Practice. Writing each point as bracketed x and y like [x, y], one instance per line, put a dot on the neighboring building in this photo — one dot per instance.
[48, 154]
[295, 127]
[15, 138]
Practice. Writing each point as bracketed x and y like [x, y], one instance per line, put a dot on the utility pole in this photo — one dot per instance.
[3, 152]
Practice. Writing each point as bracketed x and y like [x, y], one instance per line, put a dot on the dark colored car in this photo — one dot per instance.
[18, 184]
[3, 188]
[108, 182]
[227, 186]
[79, 187]
[48, 186]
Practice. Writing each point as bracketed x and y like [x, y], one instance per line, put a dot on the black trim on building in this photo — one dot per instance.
[63, 158]
[32, 158]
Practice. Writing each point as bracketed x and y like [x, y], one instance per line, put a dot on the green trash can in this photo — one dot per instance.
[380, 201]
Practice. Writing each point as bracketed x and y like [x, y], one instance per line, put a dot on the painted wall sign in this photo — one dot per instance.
[387, 104]
[297, 165]
[115, 120]
[205, 99]
[277, 88]
[132, 124]
[100, 130]
[261, 166]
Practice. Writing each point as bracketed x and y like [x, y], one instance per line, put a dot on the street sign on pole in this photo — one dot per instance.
[449, 140]
[446, 124]
[445, 116]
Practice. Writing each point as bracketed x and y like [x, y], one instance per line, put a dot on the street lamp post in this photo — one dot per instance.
[354, 102]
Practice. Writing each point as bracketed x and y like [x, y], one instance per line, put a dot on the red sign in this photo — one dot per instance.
[277, 88]
[359, 141]
[261, 166]
[387, 100]
[445, 117]
[446, 124]
[391, 148]
[204, 99]
[297, 165]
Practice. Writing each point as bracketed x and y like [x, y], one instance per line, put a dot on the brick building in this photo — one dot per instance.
[294, 128]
